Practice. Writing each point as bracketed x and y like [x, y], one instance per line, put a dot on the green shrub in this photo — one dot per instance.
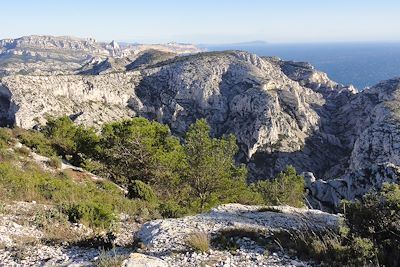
[269, 209]
[5, 137]
[61, 131]
[171, 209]
[211, 175]
[374, 221]
[45, 217]
[73, 142]
[286, 189]
[140, 190]
[36, 141]
[139, 149]
[92, 214]
[326, 246]
[31, 183]
[363, 249]
[370, 235]
[91, 165]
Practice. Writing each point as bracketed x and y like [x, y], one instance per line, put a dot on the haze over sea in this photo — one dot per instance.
[360, 64]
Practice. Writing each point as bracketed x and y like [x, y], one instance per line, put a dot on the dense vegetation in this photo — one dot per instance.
[143, 157]
[369, 234]
[376, 220]
[286, 189]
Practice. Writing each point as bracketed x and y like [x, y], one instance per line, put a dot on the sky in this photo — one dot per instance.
[205, 21]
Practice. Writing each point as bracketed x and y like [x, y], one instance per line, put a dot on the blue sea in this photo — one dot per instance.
[360, 64]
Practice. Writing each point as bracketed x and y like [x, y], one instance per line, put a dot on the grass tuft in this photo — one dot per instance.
[198, 242]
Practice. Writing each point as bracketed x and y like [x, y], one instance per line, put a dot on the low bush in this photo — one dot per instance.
[6, 134]
[326, 247]
[286, 189]
[171, 209]
[59, 233]
[269, 209]
[140, 190]
[374, 221]
[85, 201]
[35, 140]
[105, 240]
[5, 137]
[92, 214]
[370, 235]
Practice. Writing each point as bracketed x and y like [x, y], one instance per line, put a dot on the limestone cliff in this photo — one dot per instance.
[281, 112]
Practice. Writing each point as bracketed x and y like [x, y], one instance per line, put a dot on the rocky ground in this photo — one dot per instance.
[27, 238]
[169, 239]
[162, 242]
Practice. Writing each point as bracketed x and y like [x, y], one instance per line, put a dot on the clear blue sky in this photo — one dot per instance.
[205, 21]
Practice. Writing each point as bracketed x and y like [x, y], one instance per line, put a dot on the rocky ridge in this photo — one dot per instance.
[161, 237]
[40, 54]
[346, 142]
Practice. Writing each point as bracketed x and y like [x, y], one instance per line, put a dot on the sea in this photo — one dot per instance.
[360, 64]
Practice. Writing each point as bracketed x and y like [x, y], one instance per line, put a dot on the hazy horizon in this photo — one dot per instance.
[207, 21]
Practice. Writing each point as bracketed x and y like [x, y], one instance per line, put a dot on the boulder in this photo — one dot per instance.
[141, 260]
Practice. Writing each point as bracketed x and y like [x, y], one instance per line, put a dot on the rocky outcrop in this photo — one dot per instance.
[161, 237]
[353, 185]
[93, 99]
[238, 93]
[281, 112]
[373, 132]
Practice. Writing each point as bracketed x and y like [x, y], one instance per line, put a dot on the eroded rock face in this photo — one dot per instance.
[238, 93]
[93, 99]
[373, 121]
[281, 112]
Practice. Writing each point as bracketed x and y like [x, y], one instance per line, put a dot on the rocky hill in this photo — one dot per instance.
[38, 55]
[281, 112]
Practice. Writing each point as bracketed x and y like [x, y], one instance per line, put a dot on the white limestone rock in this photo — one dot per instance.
[141, 260]
[161, 237]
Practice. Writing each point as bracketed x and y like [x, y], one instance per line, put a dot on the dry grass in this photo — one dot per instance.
[109, 260]
[55, 162]
[22, 246]
[2, 246]
[23, 151]
[62, 234]
[198, 242]
[24, 240]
